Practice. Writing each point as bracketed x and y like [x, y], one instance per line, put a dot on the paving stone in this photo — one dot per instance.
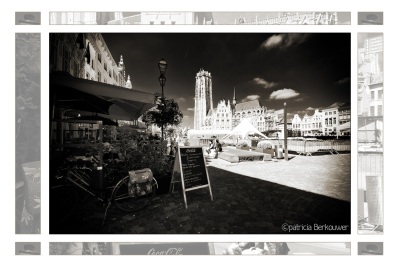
[242, 205]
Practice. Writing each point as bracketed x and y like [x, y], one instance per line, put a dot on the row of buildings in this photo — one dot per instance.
[131, 18]
[86, 56]
[370, 160]
[228, 114]
[194, 18]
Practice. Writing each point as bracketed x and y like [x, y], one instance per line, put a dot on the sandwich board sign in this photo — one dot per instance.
[190, 170]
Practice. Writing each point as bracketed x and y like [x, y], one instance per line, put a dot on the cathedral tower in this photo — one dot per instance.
[234, 98]
[203, 98]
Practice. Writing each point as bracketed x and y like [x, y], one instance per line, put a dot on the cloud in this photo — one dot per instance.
[263, 82]
[250, 98]
[284, 94]
[190, 109]
[285, 40]
[302, 98]
[336, 104]
[182, 99]
[343, 81]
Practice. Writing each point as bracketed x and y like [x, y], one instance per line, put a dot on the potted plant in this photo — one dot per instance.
[242, 145]
[150, 154]
[265, 147]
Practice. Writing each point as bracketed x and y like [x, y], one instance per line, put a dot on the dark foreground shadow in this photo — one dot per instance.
[242, 205]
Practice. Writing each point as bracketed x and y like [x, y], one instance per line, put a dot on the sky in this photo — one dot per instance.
[305, 70]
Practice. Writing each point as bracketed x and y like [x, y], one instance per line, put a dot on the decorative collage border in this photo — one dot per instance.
[28, 90]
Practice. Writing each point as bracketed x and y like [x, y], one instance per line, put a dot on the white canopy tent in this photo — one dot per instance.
[343, 128]
[244, 129]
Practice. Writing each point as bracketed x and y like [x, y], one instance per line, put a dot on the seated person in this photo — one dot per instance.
[211, 147]
[219, 146]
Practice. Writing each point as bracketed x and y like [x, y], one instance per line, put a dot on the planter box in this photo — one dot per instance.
[269, 151]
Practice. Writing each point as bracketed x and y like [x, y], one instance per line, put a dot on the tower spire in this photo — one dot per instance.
[234, 96]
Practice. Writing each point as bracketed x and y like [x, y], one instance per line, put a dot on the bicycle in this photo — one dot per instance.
[64, 197]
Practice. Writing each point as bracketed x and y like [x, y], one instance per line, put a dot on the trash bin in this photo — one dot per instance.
[278, 151]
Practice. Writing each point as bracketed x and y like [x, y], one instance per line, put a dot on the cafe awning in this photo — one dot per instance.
[68, 92]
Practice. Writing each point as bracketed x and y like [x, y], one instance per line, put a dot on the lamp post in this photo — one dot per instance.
[162, 66]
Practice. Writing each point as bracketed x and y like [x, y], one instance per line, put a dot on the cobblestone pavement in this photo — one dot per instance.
[242, 205]
[328, 175]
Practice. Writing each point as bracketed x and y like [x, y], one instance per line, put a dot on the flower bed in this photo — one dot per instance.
[243, 145]
[265, 147]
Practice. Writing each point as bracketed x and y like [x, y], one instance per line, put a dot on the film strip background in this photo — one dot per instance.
[370, 101]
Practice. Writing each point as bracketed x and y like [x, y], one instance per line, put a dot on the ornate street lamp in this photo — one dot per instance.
[162, 66]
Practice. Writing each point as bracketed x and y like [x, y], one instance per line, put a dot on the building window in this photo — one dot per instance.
[60, 49]
[372, 95]
[66, 60]
[92, 64]
[75, 69]
[87, 76]
[151, 22]
[105, 66]
[380, 93]
[162, 23]
[334, 120]
[109, 73]
[372, 111]
[334, 112]
[98, 77]
[173, 22]
[99, 57]
[380, 110]
[105, 81]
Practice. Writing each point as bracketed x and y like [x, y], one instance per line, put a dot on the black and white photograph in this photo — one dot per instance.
[200, 248]
[27, 248]
[370, 248]
[209, 132]
[370, 133]
[27, 134]
[159, 18]
[200, 133]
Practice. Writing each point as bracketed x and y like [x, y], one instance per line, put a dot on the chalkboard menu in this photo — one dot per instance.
[193, 167]
[190, 170]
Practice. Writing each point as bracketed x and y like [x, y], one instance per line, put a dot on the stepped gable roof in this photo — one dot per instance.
[248, 105]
